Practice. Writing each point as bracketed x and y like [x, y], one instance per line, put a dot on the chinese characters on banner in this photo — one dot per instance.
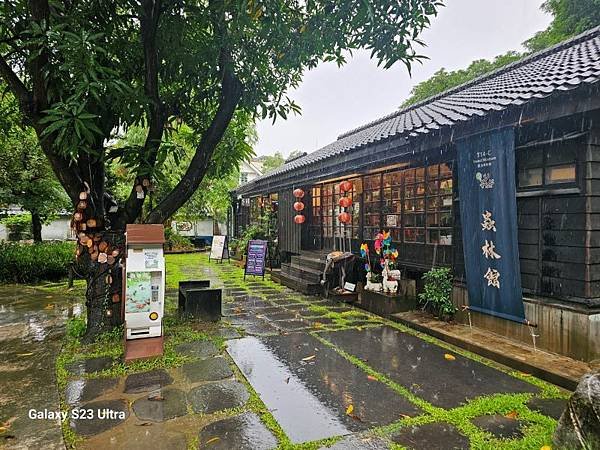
[488, 213]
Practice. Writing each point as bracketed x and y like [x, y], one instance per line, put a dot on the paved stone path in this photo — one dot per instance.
[297, 369]
[31, 327]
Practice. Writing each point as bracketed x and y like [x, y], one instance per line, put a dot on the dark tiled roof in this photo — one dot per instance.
[563, 67]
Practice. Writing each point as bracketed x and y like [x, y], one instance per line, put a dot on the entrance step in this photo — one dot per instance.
[309, 261]
[299, 271]
[300, 284]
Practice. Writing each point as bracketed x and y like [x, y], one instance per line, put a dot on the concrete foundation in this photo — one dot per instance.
[562, 328]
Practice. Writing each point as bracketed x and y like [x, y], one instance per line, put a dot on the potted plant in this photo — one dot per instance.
[437, 294]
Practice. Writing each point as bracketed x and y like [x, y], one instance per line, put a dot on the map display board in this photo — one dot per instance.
[139, 292]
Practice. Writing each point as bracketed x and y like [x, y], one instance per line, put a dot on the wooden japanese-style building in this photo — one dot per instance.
[404, 179]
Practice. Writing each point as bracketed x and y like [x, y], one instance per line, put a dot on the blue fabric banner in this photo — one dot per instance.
[488, 214]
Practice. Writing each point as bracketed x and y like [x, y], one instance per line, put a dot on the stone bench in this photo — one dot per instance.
[199, 301]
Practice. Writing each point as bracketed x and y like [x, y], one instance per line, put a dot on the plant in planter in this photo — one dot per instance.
[437, 295]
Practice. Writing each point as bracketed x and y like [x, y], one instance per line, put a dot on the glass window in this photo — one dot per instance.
[560, 174]
[547, 165]
[531, 177]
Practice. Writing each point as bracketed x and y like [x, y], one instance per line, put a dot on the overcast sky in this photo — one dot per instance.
[336, 100]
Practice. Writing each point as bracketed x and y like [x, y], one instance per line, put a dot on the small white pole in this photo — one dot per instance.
[533, 336]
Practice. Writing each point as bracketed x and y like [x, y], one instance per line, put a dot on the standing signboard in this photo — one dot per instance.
[219, 249]
[256, 256]
[488, 214]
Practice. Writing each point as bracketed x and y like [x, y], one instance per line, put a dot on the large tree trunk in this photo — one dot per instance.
[104, 287]
[36, 226]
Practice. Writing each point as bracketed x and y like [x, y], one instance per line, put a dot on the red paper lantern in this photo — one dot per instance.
[298, 206]
[298, 193]
[345, 202]
[345, 217]
[345, 186]
[299, 219]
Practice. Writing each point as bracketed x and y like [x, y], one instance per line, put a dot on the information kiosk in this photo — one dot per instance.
[144, 284]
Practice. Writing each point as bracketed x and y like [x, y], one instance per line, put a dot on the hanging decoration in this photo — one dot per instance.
[345, 202]
[346, 186]
[298, 206]
[344, 217]
[299, 219]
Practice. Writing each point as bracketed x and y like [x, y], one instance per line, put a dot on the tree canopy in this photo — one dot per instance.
[570, 17]
[26, 179]
[86, 71]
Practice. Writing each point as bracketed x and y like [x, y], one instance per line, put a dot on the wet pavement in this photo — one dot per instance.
[297, 376]
[423, 368]
[296, 369]
[31, 327]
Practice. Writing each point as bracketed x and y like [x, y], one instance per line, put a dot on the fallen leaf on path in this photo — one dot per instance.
[371, 378]
[358, 418]
[308, 358]
[318, 325]
[512, 415]
[349, 410]
[48, 296]
[546, 447]
[50, 306]
[449, 357]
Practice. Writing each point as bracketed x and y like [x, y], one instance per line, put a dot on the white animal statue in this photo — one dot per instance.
[390, 279]
[370, 286]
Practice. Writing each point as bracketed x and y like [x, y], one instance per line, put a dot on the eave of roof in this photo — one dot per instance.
[565, 66]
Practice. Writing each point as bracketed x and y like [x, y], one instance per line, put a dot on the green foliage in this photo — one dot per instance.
[271, 162]
[437, 293]
[571, 17]
[18, 226]
[26, 178]
[76, 327]
[28, 263]
[175, 241]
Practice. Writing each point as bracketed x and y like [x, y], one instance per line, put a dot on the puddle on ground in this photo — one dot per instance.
[309, 387]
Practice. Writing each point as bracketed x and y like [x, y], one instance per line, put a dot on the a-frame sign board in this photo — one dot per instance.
[219, 249]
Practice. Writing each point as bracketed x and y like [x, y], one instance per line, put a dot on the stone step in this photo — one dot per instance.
[300, 285]
[305, 273]
[310, 262]
[276, 275]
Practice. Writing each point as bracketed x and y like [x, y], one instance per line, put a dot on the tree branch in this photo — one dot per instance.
[231, 92]
[149, 20]
[17, 87]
